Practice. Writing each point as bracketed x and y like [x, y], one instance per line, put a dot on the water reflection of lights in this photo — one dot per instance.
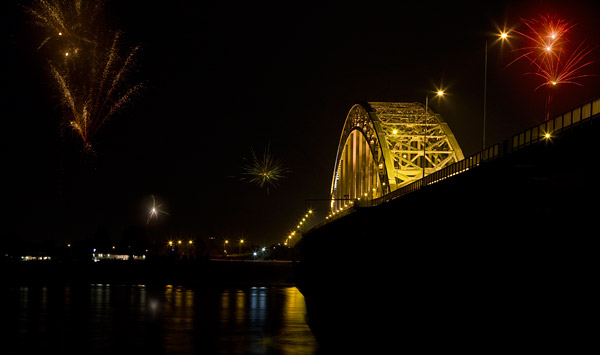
[169, 319]
[153, 307]
[177, 316]
[252, 310]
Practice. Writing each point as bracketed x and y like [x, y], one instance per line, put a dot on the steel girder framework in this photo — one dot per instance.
[386, 145]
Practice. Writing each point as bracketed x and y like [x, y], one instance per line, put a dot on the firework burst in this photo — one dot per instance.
[86, 62]
[554, 58]
[265, 171]
[155, 210]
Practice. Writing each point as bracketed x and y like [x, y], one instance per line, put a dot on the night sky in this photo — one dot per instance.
[224, 78]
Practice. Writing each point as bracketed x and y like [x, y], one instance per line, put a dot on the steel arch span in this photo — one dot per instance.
[386, 145]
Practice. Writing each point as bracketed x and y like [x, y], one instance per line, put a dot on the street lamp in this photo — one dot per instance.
[187, 247]
[240, 247]
[439, 93]
[502, 36]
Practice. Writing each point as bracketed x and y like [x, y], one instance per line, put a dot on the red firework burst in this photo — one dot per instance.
[554, 58]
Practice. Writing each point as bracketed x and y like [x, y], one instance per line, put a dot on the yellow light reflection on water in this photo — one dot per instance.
[178, 317]
[251, 311]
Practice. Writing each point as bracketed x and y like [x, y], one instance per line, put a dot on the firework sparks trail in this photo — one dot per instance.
[548, 49]
[68, 25]
[265, 171]
[86, 62]
[545, 37]
[155, 210]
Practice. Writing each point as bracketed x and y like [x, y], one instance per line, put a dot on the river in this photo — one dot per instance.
[154, 319]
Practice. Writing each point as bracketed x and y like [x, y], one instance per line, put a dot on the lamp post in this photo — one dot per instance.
[439, 93]
[484, 94]
[502, 36]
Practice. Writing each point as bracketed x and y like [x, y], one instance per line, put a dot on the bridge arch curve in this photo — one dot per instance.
[386, 145]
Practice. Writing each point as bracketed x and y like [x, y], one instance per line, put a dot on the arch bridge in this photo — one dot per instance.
[387, 145]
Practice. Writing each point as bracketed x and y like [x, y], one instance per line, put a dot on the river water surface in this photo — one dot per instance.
[165, 319]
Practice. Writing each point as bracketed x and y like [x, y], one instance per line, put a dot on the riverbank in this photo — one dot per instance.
[210, 272]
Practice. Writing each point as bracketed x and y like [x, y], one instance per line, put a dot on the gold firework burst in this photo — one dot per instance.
[265, 171]
[87, 63]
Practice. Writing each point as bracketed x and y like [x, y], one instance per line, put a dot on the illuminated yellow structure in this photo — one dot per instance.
[386, 145]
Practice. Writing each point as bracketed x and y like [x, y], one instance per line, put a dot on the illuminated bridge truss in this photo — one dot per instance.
[386, 145]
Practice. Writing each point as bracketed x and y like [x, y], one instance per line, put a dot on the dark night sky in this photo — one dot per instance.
[227, 77]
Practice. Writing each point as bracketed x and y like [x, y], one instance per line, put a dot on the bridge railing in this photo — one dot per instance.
[459, 167]
[555, 126]
[548, 129]
[586, 112]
